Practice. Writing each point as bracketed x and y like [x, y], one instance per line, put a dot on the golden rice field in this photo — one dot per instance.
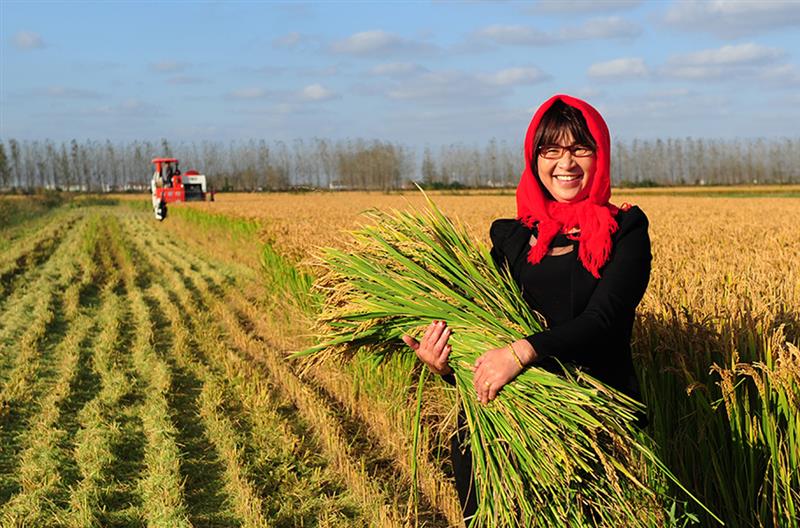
[717, 257]
[143, 379]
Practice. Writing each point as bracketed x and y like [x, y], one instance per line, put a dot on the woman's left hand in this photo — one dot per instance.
[497, 367]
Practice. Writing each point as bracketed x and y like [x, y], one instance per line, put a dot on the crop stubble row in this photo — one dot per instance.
[93, 471]
[323, 421]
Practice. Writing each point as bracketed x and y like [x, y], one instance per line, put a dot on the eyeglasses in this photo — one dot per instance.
[554, 152]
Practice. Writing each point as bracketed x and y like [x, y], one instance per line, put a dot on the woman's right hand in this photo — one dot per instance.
[433, 350]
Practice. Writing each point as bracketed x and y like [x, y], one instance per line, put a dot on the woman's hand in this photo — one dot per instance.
[433, 350]
[498, 366]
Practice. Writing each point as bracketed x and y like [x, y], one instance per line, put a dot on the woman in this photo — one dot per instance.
[580, 262]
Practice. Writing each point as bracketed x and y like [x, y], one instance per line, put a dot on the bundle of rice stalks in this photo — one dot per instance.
[551, 449]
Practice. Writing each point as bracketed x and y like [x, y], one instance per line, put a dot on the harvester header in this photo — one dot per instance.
[174, 186]
[169, 184]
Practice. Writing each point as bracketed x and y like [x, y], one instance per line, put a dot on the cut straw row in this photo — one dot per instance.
[327, 430]
[39, 472]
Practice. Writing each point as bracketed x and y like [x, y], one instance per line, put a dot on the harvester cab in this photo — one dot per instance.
[169, 184]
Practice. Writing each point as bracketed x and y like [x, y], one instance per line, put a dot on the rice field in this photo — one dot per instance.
[143, 379]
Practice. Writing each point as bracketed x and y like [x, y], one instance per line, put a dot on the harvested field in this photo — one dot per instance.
[143, 378]
[130, 396]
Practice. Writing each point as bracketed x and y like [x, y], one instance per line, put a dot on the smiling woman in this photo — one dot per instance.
[587, 297]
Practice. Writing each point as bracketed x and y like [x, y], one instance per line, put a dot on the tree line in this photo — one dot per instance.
[258, 165]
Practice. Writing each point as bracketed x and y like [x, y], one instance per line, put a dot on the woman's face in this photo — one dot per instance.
[566, 178]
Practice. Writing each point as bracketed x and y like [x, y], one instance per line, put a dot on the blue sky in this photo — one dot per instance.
[419, 73]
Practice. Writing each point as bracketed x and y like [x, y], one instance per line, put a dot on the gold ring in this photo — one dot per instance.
[486, 383]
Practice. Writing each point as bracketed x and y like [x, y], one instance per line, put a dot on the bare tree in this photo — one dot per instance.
[5, 170]
[429, 173]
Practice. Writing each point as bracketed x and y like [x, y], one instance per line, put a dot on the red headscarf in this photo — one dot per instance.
[594, 215]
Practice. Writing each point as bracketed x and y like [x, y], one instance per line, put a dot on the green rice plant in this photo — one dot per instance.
[286, 283]
[550, 449]
[762, 404]
[237, 228]
[725, 402]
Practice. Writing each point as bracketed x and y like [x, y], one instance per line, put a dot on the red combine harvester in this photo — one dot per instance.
[170, 185]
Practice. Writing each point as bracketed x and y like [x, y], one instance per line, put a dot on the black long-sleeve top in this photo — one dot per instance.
[589, 320]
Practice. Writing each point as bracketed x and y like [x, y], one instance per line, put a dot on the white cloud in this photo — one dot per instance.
[669, 92]
[168, 66]
[62, 92]
[721, 63]
[331, 70]
[454, 87]
[791, 99]
[317, 92]
[248, 93]
[572, 7]
[187, 79]
[728, 55]
[27, 40]
[665, 109]
[627, 68]
[132, 107]
[602, 28]
[378, 43]
[782, 75]
[397, 69]
[516, 76]
[733, 18]
[592, 29]
[514, 35]
[290, 40]
[445, 86]
[587, 92]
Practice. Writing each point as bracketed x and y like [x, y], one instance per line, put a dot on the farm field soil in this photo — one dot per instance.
[136, 390]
